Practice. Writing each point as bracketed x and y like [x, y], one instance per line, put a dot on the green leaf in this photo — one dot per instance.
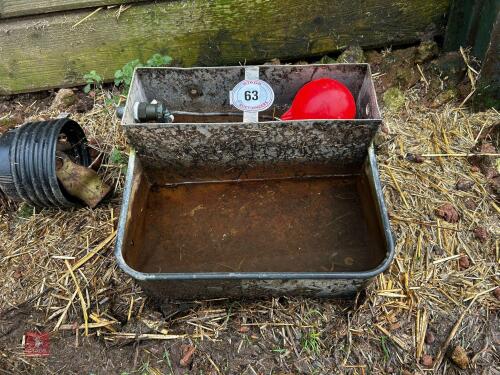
[158, 60]
[117, 157]
[124, 75]
[118, 77]
[93, 80]
[92, 77]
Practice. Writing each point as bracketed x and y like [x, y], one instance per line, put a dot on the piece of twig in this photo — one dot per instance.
[82, 299]
[86, 17]
[65, 311]
[463, 155]
[453, 332]
[393, 338]
[214, 365]
[90, 254]
[145, 336]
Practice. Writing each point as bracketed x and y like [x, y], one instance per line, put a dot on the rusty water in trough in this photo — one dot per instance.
[304, 224]
[217, 207]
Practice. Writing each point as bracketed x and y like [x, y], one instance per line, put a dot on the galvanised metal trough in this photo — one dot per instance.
[217, 207]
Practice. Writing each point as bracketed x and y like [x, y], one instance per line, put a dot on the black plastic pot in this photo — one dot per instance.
[28, 161]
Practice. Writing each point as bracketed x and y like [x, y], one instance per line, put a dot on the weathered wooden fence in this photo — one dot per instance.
[53, 43]
[476, 24]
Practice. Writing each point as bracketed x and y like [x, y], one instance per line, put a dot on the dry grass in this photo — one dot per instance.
[383, 332]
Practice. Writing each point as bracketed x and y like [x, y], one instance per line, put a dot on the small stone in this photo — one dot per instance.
[451, 67]
[481, 234]
[448, 213]
[429, 337]
[496, 292]
[464, 185]
[353, 54]
[444, 97]
[427, 360]
[187, 357]
[426, 51]
[475, 169]
[243, 329]
[64, 98]
[459, 357]
[470, 204]
[394, 99]
[415, 158]
[464, 262]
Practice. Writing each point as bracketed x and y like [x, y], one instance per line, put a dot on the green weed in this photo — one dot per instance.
[311, 342]
[25, 211]
[144, 369]
[118, 158]
[159, 60]
[278, 350]
[93, 80]
[166, 358]
[123, 76]
[383, 344]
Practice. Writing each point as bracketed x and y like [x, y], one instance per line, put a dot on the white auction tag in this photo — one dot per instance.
[252, 95]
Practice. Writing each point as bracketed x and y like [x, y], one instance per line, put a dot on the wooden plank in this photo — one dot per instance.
[488, 86]
[45, 52]
[469, 25]
[16, 8]
[460, 18]
[476, 24]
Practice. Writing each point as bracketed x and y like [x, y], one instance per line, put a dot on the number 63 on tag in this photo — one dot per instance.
[252, 96]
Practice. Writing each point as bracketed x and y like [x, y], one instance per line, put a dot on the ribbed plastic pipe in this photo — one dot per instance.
[28, 161]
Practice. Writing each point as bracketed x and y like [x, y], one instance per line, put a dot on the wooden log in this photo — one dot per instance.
[45, 52]
[16, 8]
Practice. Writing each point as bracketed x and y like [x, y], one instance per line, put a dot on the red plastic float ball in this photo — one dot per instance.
[323, 98]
